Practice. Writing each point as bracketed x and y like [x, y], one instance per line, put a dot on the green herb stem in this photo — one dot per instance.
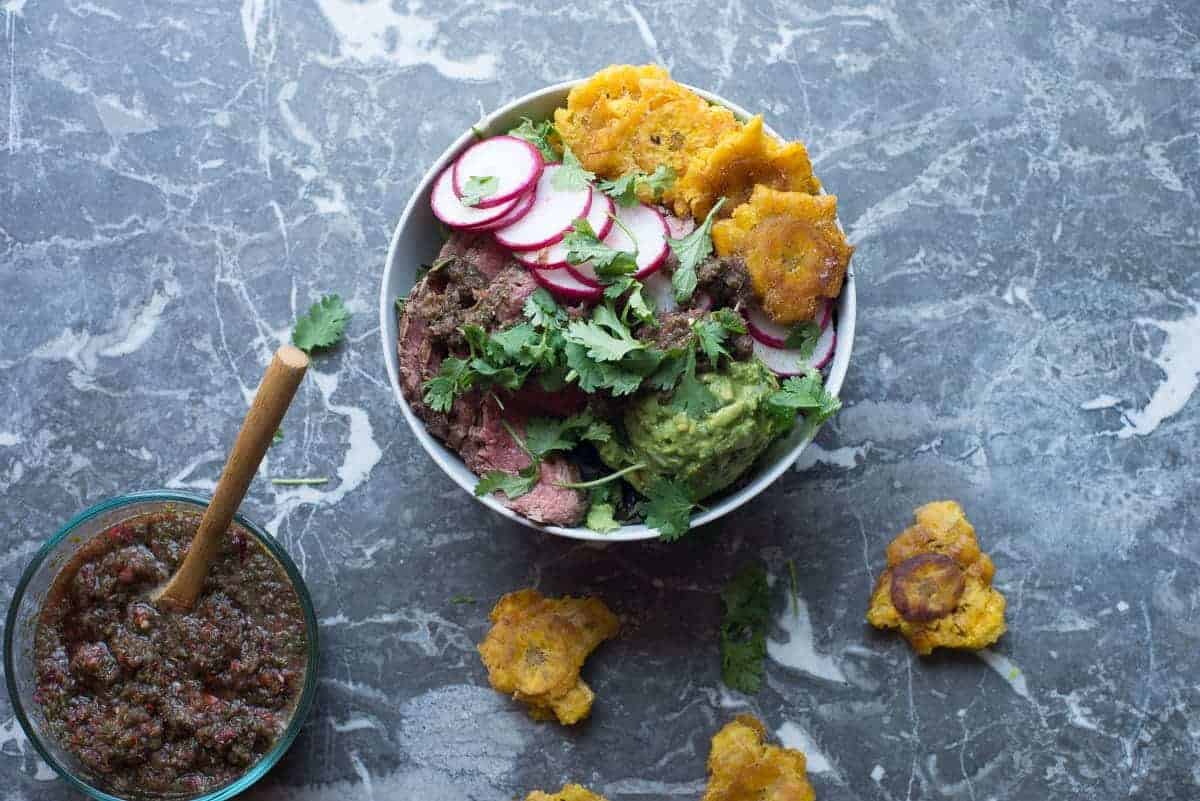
[298, 482]
[604, 479]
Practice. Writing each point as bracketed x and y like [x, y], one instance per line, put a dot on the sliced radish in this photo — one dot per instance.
[649, 231]
[523, 204]
[552, 213]
[660, 292]
[450, 210]
[562, 283]
[788, 361]
[774, 334]
[554, 256]
[513, 162]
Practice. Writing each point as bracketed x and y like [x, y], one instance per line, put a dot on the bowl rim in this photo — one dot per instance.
[452, 465]
[164, 496]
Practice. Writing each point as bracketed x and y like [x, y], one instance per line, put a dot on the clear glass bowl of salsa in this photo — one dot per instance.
[25, 612]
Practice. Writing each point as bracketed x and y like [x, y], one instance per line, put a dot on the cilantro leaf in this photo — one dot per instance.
[730, 320]
[693, 396]
[808, 394]
[323, 326]
[673, 365]
[506, 377]
[538, 134]
[606, 338]
[478, 187]
[515, 342]
[453, 379]
[668, 508]
[624, 189]
[710, 335]
[600, 517]
[277, 437]
[541, 309]
[546, 434]
[582, 245]
[571, 176]
[512, 485]
[691, 250]
[804, 339]
[747, 601]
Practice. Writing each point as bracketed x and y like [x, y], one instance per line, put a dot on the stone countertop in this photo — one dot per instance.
[180, 181]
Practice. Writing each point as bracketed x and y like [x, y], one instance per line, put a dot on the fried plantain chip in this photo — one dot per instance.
[740, 161]
[926, 587]
[742, 767]
[976, 619]
[627, 118]
[569, 792]
[793, 248]
[536, 649]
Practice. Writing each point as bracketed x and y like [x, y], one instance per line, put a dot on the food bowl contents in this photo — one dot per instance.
[578, 342]
[937, 588]
[569, 792]
[743, 767]
[158, 703]
[536, 649]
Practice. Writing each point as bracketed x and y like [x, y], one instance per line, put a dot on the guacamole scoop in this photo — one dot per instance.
[708, 453]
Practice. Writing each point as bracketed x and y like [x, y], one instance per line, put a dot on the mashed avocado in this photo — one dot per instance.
[708, 453]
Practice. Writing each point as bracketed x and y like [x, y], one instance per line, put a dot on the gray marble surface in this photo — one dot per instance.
[180, 179]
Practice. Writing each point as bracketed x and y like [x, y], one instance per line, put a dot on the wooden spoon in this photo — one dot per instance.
[271, 402]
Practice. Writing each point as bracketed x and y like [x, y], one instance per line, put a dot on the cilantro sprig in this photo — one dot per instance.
[691, 250]
[323, 326]
[543, 436]
[539, 134]
[747, 601]
[624, 190]
[668, 508]
[583, 245]
[571, 176]
[805, 394]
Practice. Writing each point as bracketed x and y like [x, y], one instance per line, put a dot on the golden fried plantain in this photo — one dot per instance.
[793, 248]
[740, 161]
[569, 792]
[627, 118]
[924, 616]
[742, 767]
[536, 649]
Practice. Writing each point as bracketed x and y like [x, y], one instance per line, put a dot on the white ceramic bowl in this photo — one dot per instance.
[417, 240]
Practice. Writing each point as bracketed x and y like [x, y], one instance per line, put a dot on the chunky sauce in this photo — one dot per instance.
[160, 703]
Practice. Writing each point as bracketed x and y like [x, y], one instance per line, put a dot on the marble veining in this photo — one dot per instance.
[181, 180]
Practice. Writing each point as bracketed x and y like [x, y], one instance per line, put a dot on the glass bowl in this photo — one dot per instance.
[21, 625]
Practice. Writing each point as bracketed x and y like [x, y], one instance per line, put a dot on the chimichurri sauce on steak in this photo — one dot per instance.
[158, 702]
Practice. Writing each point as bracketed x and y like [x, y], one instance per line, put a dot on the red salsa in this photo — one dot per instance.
[157, 702]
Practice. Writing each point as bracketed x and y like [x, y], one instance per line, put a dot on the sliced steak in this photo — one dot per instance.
[490, 447]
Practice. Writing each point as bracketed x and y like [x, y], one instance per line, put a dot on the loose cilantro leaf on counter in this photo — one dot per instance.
[582, 245]
[459, 600]
[668, 508]
[691, 250]
[747, 600]
[539, 135]
[514, 486]
[323, 326]
[277, 437]
[624, 189]
[478, 187]
[571, 176]
[804, 339]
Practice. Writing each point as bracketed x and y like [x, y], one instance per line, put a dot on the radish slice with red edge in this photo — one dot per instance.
[677, 227]
[551, 215]
[649, 231]
[523, 204]
[769, 332]
[789, 361]
[513, 162]
[555, 256]
[450, 210]
[562, 283]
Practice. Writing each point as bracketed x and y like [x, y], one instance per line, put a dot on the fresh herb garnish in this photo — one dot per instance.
[582, 245]
[602, 509]
[804, 339]
[806, 394]
[454, 378]
[459, 600]
[691, 250]
[277, 437]
[624, 189]
[538, 134]
[323, 326]
[514, 486]
[747, 600]
[668, 508]
[543, 435]
[478, 187]
[298, 482]
[571, 176]
[795, 587]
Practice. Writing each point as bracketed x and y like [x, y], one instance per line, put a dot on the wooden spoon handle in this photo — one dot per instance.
[271, 402]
